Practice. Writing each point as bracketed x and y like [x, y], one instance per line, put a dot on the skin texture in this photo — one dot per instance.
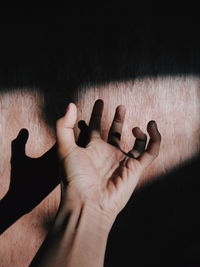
[173, 102]
[99, 179]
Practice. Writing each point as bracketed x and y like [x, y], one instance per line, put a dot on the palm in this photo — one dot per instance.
[99, 170]
[105, 157]
[97, 159]
[90, 163]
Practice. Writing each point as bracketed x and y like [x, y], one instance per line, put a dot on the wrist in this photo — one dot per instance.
[90, 236]
[77, 238]
[88, 211]
[91, 207]
[98, 217]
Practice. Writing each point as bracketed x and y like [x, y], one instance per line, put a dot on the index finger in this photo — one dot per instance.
[95, 120]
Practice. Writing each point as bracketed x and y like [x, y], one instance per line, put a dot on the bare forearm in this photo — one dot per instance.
[78, 238]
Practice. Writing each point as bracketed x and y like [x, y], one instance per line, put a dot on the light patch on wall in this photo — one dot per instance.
[174, 102]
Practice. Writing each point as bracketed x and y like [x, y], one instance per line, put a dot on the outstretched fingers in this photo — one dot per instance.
[65, 132]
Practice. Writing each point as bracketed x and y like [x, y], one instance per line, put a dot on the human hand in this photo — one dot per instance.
[101, 174]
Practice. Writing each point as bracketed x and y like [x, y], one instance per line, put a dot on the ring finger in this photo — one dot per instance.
[140, 142]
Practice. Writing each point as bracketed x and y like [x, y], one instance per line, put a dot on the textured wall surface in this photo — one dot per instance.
[174, 102]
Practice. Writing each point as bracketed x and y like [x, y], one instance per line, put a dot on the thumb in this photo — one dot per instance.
[65, 132]
[19, 143]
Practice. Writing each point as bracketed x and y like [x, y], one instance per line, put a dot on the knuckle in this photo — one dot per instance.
[118, 120]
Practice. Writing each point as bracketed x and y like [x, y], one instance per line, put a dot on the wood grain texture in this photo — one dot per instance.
[174, 102]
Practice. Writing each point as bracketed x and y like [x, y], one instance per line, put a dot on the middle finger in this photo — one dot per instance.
[114, 135]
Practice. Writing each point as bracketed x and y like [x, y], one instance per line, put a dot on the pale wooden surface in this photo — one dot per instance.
[174, 102]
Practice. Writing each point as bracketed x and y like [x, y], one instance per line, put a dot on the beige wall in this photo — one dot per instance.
[174, 102]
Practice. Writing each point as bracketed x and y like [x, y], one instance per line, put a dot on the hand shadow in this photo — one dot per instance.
[32, 179]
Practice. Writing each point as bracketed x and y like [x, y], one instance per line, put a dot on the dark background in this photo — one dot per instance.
[58, 48]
